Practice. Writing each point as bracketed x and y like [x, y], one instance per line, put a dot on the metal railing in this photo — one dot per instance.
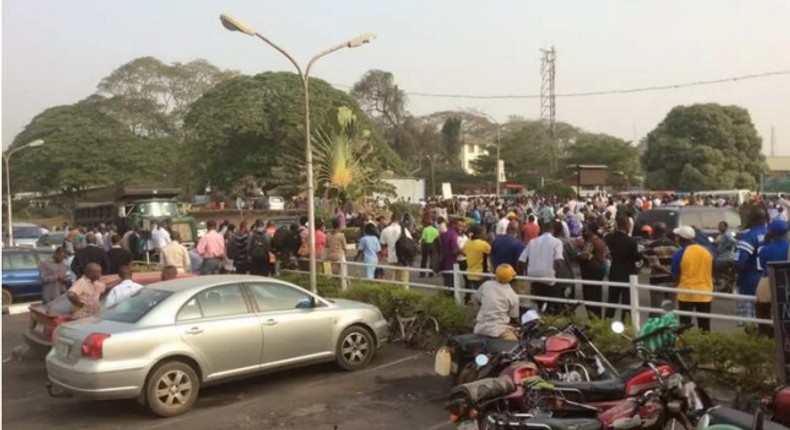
[459, 292]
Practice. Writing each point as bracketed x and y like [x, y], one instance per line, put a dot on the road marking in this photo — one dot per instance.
[19, 308]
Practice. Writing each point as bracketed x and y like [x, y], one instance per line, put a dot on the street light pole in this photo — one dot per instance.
[233, 24]
[7, 158]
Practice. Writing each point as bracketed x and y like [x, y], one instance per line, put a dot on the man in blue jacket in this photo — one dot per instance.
[749, 268]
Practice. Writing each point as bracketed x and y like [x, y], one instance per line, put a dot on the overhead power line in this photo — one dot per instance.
[599, 93]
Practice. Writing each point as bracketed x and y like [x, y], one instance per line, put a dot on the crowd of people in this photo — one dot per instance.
[542, 237]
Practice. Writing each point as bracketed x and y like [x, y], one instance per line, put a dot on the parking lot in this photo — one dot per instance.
[397, 391]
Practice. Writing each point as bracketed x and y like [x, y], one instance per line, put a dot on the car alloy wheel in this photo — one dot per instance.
[172, 389]
[355, 348]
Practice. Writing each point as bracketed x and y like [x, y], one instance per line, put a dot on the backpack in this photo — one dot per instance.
[405, 248]
[259, 246]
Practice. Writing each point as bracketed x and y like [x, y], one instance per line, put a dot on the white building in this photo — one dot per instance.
[471, 150]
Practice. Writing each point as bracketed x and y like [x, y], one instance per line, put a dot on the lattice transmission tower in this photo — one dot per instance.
[548, 107]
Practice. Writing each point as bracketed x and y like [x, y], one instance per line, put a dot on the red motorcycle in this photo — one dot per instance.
[598, 395]
[651, 410]
[563, 355]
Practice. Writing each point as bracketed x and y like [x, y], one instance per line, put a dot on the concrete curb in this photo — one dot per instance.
[19, 308]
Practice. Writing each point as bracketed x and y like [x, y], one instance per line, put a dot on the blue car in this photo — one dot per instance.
[20, 273]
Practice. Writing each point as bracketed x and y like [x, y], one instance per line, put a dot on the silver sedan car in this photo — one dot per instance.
[162, 344]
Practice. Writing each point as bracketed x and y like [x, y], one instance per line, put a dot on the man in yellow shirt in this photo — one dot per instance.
[692, 267]
[477, 251]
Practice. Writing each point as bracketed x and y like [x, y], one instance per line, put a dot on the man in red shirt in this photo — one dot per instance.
[531, 229]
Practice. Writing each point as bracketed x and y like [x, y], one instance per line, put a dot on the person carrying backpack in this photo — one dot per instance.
[391, 236]
[258, 249]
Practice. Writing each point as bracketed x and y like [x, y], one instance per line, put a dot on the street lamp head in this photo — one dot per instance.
[35, 143]
[234, 24]
[360, 40]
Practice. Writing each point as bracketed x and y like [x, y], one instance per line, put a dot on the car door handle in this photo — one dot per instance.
[194, 330]
[270, 322]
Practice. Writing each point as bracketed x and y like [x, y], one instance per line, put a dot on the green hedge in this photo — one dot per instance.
[393, 298]
[738, 361]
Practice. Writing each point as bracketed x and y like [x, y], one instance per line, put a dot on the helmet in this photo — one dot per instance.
[647, 229]
[505, 273]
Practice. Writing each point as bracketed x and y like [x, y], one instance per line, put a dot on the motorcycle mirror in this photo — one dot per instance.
[481, 360]
[618, 327]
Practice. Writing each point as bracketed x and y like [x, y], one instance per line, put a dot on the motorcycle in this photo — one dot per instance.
[599, 395]
[566, 355]
[651, 410]
[777, 407]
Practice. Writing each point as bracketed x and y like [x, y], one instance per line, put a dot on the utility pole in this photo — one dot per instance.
[547, 100]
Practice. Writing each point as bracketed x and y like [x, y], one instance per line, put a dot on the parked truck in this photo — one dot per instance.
[128, 208]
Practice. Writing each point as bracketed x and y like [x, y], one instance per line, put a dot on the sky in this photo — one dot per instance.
[55, 52]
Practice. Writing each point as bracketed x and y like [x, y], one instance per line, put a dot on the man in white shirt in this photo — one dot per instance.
[501, 225]
[542, 258]
[125, 289]
[389, 237]
[160, 237]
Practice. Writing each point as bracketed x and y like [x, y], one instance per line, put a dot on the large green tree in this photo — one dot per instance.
[621, 157]
[526, 149]
[704, 146]
[83, 147]
[250, 125]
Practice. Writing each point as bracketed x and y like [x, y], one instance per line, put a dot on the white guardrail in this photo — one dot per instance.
[341, 270]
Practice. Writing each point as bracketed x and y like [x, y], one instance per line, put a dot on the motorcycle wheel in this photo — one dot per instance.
[576, 370]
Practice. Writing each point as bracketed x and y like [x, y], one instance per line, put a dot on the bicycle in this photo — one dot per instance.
[420, 331]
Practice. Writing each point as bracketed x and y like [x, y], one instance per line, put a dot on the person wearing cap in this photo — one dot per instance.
[777, 248]
[692, 267]
[499, 305]
[504, 221]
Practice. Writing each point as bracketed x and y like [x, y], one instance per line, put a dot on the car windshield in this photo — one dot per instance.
[27, 232]
[158, 209]
[131, 309]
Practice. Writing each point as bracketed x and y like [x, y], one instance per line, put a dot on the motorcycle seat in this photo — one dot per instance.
[742, 420]
[540, 423]
[468, 344]
[592, 391]
[484, 389]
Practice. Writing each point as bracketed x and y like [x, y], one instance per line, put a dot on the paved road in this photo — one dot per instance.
[398, 391]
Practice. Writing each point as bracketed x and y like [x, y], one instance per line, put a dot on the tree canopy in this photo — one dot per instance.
[703, 147]
[83, 147]
[249, 125]
[621, 157]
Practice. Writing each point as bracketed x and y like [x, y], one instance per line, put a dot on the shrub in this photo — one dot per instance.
[739, 361]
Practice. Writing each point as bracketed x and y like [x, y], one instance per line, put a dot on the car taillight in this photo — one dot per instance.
[92, 346]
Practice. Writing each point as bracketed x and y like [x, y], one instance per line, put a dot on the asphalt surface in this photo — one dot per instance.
[397, 391]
